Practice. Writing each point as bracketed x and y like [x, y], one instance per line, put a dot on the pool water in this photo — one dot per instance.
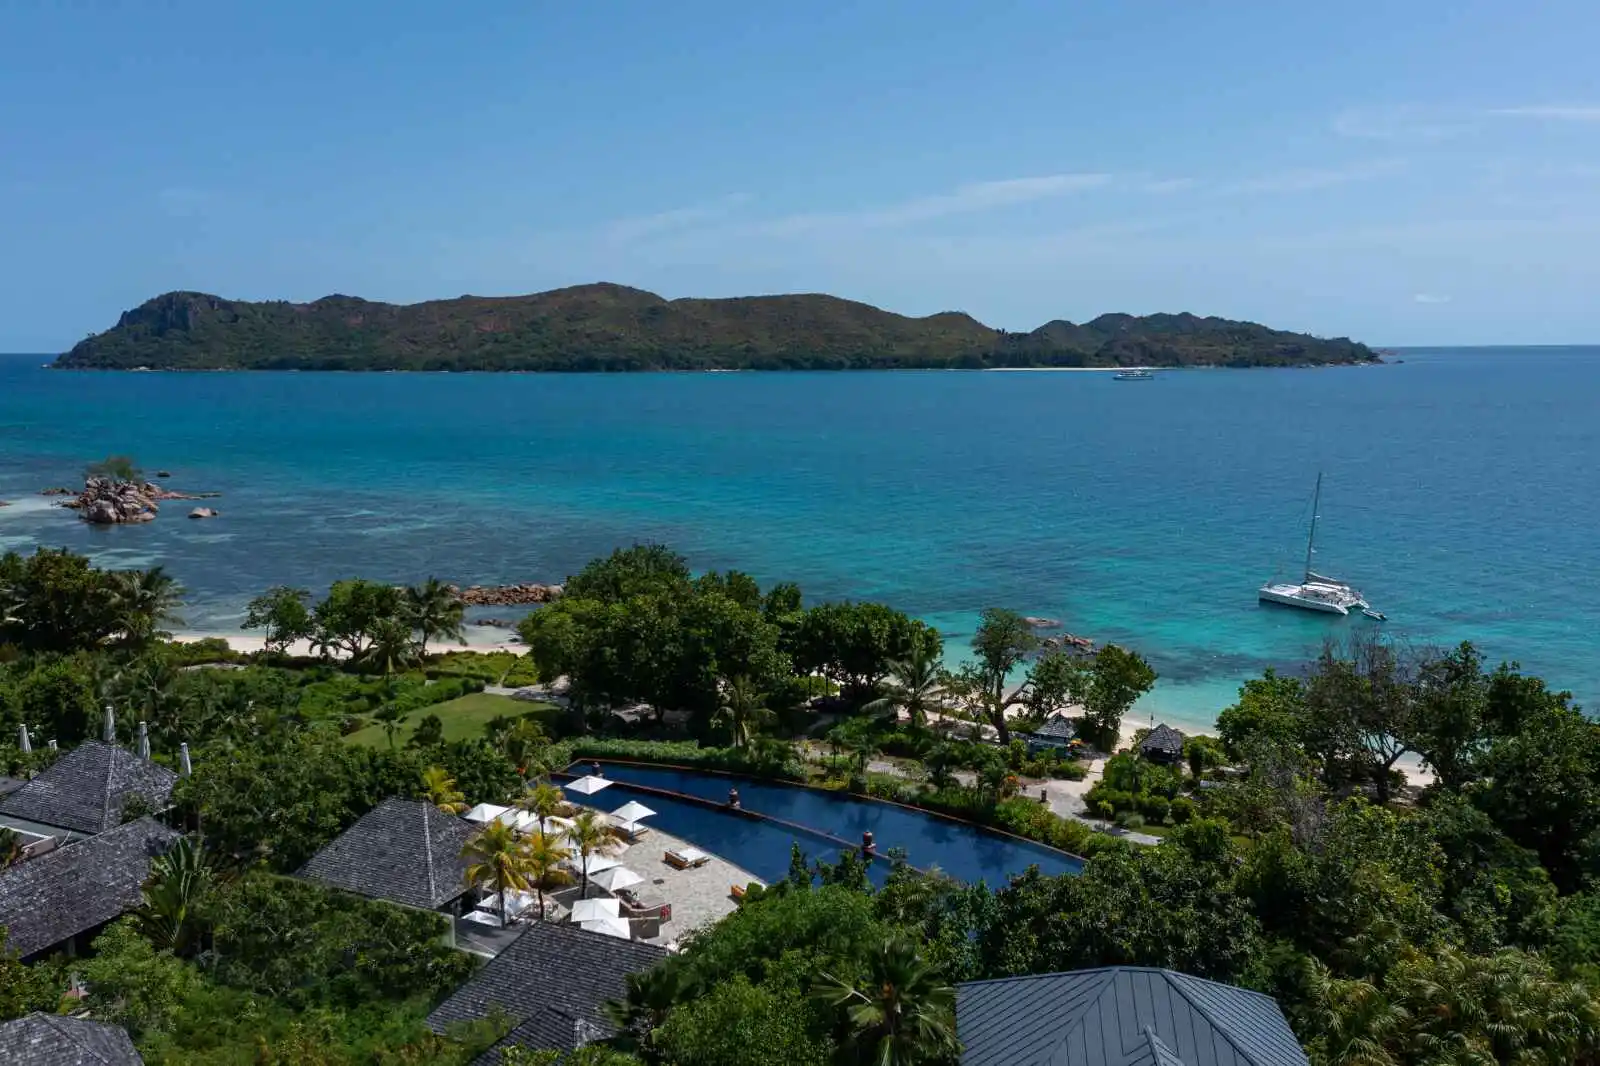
[970, 853]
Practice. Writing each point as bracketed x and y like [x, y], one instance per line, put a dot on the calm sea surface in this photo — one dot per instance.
[1462, 492]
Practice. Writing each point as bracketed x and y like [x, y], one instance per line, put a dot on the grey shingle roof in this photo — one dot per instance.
[1120, 1016]
[1057, 727]
[1163, 740]
[79, 885]
[551, 982]
[54, 1040]
[404, 851]
[88, 787]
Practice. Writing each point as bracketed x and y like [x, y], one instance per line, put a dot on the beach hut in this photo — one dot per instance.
[1163, 745]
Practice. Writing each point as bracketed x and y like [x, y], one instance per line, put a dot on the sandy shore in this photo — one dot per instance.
[250, 643]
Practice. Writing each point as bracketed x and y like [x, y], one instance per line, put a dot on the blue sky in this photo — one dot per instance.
[1406, 173]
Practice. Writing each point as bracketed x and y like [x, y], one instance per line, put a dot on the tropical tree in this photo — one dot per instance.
[543, 801]
[175, 896]
[1004, 639]
[439, 788]
[743, 710]
[901, 1010]
[144, 601]
[10, 846]
[913, 686]
[522, 740]
[544, 856]
[650, 996]
[283, 612]
[391, 649]
[498, 856]
[1349, 1022]
[391, 717]
[434, 610]
[348, 620]
[591, 834]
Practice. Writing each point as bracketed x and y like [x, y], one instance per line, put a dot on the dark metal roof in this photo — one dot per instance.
[1120, 1016]
[87, 788]
[1163, 739]
[1057, 727]
[404, 851]
[56, 1040]
[79, 885]
[551, 982]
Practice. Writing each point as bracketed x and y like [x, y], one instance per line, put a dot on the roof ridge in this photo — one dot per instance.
[105, 801]
[1222, 1030]
[71, 1035]
[427, 853]
[1054, 973]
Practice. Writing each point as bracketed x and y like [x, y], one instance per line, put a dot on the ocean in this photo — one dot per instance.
[1462, 493]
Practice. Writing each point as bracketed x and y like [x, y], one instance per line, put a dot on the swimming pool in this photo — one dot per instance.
[970, 853]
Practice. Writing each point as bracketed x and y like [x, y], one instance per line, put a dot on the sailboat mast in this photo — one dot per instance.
[1316, 502]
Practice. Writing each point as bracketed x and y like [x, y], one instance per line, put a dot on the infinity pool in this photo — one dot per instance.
[970, 853]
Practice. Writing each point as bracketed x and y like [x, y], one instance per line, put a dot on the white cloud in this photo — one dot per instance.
[629, 230]
[1407, 123]
[965, 199]
[1308, 180]
[1559, 113]
[1429, 298]
[1168, 185]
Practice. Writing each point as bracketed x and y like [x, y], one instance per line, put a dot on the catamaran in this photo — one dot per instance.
[1134, 374]
[1316, 592]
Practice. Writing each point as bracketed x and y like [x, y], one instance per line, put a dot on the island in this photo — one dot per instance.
[606, 327]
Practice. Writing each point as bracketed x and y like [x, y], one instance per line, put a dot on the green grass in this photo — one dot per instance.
[463, 718]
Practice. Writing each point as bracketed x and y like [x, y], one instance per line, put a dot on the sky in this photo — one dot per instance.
[1414, 173]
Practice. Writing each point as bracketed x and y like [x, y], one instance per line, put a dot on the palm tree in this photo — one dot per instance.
[439, 788]
[592, 835]
[544, 857]
[522, 741]
[392, 719]
[901, 1011]
[1351, 1022]
[743, 710]
[434, 610]
[179, 885]
[543, 801]
[651, 994]
[144, 600]
[391, 649]
[499, 856]
[913, 686]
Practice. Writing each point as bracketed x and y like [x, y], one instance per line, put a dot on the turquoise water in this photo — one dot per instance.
[966, 852]
[1461, 492]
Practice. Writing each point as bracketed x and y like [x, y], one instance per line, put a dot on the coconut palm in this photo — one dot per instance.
[743, 710]
[523, 741]
[180, 883]
[1352, 1021]
[900, 1011]
[545, 854]
[439, 788]
[391, 649]
[391, 717]
[434, 610]
[144, 601]
[543, 801]
[498, 856]
[651, 995]
[590, 835]
[913, 686]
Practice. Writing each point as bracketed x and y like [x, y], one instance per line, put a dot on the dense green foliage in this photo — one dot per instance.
[610, 327]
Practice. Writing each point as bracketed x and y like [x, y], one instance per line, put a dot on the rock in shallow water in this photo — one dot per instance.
[204, 512]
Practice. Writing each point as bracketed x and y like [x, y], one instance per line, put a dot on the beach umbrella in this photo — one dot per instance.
[596, 864]
[22, 738]
[485, 812]
[617, 927]
[517, 901]
[631, 812]
[586, 910]
[588, 786]
[617, 877]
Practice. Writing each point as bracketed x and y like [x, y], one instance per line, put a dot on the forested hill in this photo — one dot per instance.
[611, 327]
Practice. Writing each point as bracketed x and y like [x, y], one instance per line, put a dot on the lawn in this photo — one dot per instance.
[463, 718]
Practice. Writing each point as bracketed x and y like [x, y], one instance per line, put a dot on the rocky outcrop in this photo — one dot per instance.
[1042, 623]
[507, 595]
[57, 492]
[105, 502]
[1069, 642]
[204, 512]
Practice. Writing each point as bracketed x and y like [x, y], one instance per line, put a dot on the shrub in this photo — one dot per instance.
[773, 759]
[1130, 820]
[1155, 808]
[1182, 811]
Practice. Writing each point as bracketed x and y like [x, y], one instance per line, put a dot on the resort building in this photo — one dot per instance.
[1164, 744]
[62, 899]
[57, 1040]
[402, 851]
[1056, 731]
[88, 790]
[1120, 1016]
[551, 982]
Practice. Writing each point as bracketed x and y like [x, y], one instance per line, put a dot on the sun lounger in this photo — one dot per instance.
[737, 892]
[686, 858]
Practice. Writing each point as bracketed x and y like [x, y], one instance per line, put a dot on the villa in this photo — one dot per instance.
[1120, 1016]
[1164, 744]
[402, 851]
[87, 791]
[56, 1040]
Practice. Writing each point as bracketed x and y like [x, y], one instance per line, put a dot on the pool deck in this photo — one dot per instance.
[699, 897]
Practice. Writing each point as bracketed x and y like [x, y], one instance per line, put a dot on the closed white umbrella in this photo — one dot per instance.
[631, 812]
[585, 910]
[588, 786]
[617, 927]
[617, 877]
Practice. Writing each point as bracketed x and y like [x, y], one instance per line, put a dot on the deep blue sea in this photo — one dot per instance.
[1462, 492]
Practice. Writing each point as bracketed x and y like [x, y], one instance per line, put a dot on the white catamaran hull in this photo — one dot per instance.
[1312, 598]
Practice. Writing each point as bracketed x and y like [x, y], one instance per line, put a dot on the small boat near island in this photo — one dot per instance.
[1317, 592]
[1133, 374]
